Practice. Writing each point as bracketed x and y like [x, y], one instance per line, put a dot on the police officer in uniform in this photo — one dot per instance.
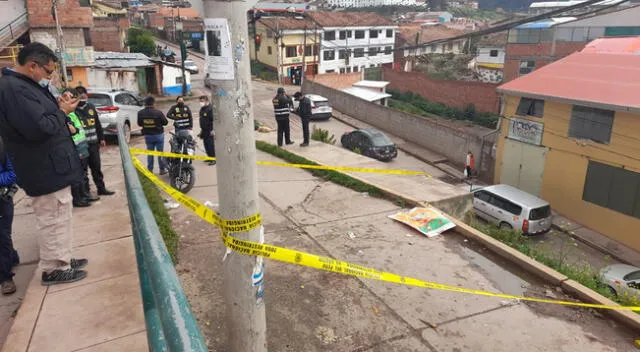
[152, 121]
[95, 137]
[282, 105]
[181, 115]
[206, 128]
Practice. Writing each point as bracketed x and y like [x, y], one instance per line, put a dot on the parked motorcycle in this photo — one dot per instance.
[181, 171]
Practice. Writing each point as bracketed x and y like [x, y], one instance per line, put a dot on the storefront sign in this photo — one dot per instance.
[526, 131]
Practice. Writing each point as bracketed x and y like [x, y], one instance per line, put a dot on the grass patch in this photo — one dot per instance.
[156, 203]
[329, 175]
[582, 273]
[320, 135]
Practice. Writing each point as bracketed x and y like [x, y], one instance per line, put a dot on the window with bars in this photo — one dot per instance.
[530, 107]
[591, 123]
[359, 34]
[358, 52]
[330, 35]
[291, 51]
[373, 33]
[329, 55]
[527, 66]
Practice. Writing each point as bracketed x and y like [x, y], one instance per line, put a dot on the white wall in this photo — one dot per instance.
[105, 78]
[456, 48]
[624, 18]
[169, 75]
[10, 10]
[351, 43]
[484, 55]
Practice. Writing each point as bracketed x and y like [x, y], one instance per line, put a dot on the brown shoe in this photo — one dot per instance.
[8, 287]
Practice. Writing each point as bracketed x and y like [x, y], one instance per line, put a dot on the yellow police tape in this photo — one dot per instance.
[272, 163]
[324, 263]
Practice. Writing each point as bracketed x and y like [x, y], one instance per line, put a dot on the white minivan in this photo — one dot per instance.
[511, 208]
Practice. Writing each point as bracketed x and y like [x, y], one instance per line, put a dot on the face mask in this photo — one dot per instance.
[180, 104]
[82, 103]
[203, 104]
[44, 82]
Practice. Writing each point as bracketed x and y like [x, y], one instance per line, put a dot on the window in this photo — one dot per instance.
[373, 33]
[128, 99]
[178, 81]
[358, 52]
[86, 32]
[329, 55]
[84, 3]
[355, 69]
[527, 66]
[330, 35]
[373, 51]
[308, 50]
[69, 75]
[530, 107]
[389, 33]
[345, 34]
[269, 33]
[482, 195]
[342, 70]
[388, 50]
[450, 46]
[359, 34]
[540, 213]
[530, 35]
[348, 69]
[493, 53]
[330, 71]
[613, 188]
[433, 48]
[342, 53]
[269, 51]
[591, 123]
[291, 51]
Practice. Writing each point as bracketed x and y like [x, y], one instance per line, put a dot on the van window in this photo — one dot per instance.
[506, 205]
[321, 103]
[540, 213]
[100, 100]
[482, 195]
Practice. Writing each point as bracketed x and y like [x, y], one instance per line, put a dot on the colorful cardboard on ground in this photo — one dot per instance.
[217, 43]
[428, 221]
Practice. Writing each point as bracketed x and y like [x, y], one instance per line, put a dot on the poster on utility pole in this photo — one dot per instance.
[217, 43]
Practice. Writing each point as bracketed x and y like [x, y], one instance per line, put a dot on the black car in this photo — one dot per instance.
[370, 142]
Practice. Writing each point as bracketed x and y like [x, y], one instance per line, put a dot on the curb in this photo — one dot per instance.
[591, 244]
[626, 317]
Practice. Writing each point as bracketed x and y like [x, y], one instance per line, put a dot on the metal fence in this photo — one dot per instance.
[170, 323]
[12, 31]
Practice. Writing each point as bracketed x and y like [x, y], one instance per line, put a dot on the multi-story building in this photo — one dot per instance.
[570, 135]
[413, 35]
[489, 60]
[110, 26]
[538, 8]
[533, 45]
[76, 20]
[285, 44]
[370, 3]
[352, 41]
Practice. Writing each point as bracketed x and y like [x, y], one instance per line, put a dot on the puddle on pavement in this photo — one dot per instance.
[504, 280]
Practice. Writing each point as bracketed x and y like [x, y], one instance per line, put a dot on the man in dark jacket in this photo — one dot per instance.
[181, 115]
[152, 121]
[8, 254]
[44, 157]
[282, 105]
[95, 137]
[304, 109]
[206, 128]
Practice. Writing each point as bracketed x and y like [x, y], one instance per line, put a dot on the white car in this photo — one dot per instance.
[116, 106]
[320, 108]
[623, 280]
[191, 66]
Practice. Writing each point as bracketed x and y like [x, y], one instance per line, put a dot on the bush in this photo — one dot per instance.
[320, 135]
[263, 71]
[141, 41]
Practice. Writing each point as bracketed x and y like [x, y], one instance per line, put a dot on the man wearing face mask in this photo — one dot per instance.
[206, 128]
[95, 136]
[181, 115]
[39, 145]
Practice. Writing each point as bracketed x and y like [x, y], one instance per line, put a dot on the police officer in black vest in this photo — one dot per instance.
[181, 115]
[206, 128]
[282, 105]
[93, 131]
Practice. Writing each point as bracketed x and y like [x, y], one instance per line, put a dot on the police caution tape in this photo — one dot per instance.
[325, 263]
[137, 151]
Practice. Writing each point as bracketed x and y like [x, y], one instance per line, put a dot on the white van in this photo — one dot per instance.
[511, 208]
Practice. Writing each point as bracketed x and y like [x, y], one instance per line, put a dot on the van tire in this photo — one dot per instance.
[505, 225]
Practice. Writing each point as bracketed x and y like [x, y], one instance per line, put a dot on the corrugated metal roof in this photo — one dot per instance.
[366, 94]
[121, 60]
[622, 45]
[372, 84]
[608, 81]
[349, 19]
[546, 4]
[548, 23]
[287, 23]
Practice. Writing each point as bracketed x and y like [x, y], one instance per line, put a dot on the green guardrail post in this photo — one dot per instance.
[170, 323]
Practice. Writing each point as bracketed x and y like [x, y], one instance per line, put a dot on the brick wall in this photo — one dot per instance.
[109, 34]
[70, 14]
[456, 94]
[337, 80]
[541, 53]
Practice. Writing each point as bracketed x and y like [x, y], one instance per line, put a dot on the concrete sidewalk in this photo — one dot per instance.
[100, 313]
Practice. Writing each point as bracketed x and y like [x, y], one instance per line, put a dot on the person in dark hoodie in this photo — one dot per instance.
[152, 122]
[39, 145]
[8, 255]
[206, 128]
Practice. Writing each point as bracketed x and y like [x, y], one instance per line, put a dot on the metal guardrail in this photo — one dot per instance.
[14, 29]
[170, 323]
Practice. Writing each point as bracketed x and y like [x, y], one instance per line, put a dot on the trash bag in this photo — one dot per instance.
[465, 172]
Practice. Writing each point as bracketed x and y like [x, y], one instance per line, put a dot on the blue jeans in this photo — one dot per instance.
[155, 142]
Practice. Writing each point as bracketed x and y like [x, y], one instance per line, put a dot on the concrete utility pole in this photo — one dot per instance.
[304, 57]
[236, 168]
[61, 46]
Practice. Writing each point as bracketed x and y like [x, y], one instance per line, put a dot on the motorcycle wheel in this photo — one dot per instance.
[184, 181]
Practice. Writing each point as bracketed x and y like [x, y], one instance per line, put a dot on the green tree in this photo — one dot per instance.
[141, 41]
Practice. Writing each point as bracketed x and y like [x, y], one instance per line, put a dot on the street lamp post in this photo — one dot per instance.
[183, 56]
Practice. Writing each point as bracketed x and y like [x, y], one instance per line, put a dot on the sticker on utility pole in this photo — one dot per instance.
[217, 43]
